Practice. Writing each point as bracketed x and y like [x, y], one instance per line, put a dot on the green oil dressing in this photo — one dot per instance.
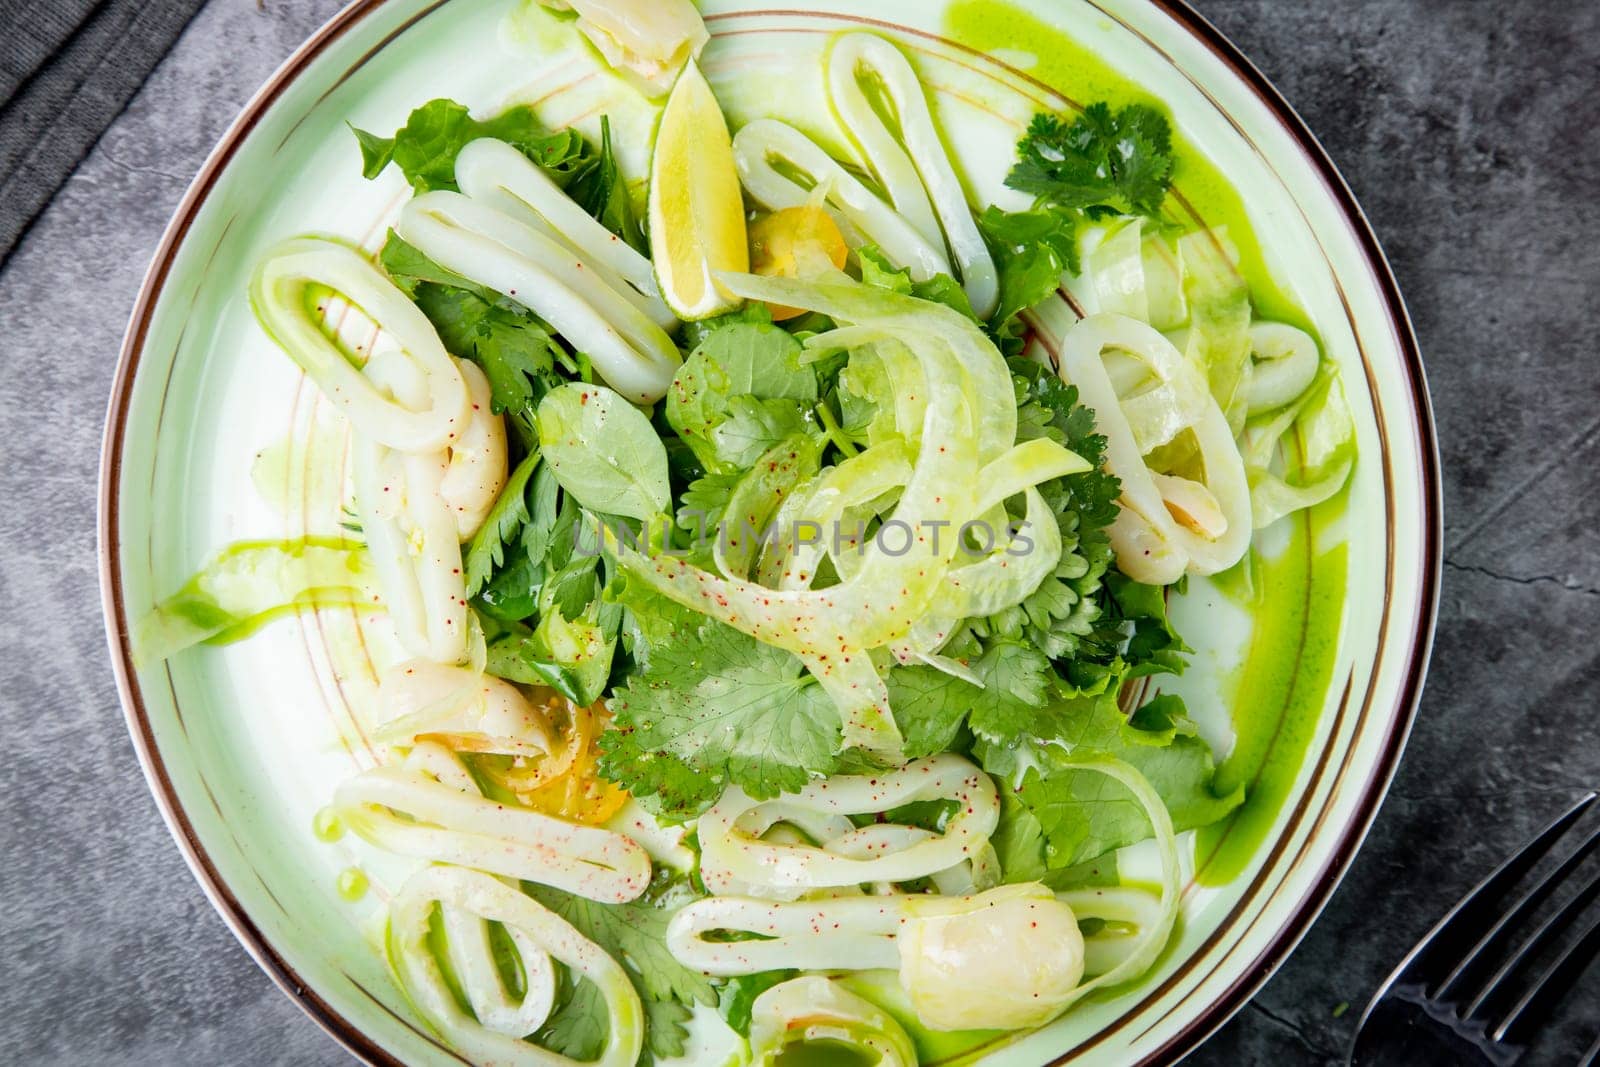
[291, 475]
[353, 884]
[248, 585]
[934, 1047]
[823, 1054]
[326, 826]
[1072, 68]
[1277, 694]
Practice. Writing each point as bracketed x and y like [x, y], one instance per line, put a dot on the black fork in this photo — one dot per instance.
[1444, 1004]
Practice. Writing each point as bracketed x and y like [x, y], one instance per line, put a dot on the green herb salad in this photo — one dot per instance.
[781, 550]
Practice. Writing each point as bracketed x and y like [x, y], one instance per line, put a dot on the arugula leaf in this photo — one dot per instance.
[739, 358]
[716, 702]
[509, 514]
[517, 351]
[604, 451]
[602, 191]
[425, 148]
[1120, 161]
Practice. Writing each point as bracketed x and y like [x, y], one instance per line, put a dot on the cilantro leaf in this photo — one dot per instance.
[738, 995]
[506, 519]
[703, 504]
[666, 1031]
[1032, 250]
[579, 1025]
[929, 707]
[1066, 617]
[754, 425]
[517, 351]
[876, 269]
[602, 191]
[634, 934]
[1017, 684]
[1103, 160]
[425, 148]
[719, 703]
[1018, 841]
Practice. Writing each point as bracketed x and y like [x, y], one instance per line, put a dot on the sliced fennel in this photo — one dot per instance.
[761, 146]
[281, 294]
[1320, 420]
[469, 899]
[1218, 338]
[428, 807]
[1129, 272]
[736, 859]
[495, 250]
[814, 1009]
[905, 153]
[832, 629]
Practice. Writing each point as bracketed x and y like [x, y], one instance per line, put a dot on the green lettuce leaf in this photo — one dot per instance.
[1082, 818]
[425, 148]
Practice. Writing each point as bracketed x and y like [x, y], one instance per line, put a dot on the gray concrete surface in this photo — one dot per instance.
[1468, 130]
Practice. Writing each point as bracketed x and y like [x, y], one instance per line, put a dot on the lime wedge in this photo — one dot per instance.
[696, 210]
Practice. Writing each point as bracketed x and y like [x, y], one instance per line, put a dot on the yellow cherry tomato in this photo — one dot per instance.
[796, 242]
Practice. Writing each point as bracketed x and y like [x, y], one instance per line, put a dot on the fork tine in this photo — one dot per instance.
[1477, 907]
[1553, 984]
[1535, 944]
[1592, 1055]
[1508, 924]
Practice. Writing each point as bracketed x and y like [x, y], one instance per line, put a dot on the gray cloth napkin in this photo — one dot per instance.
[67, 69]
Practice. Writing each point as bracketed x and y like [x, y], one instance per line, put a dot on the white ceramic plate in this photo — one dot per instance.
[213, 436]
